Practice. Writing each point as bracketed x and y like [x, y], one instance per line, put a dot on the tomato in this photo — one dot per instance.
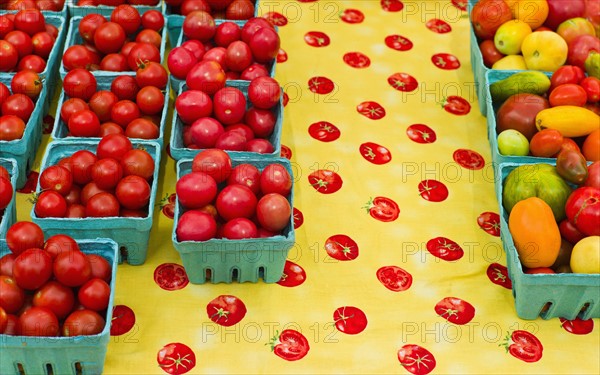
[207, 76]
[170, 276]
[538, 270]
[79, 83]
[19, 105]
[12, 297]
[78, 56]
[591, 86]
[438, 26]
[27, 82]
[577, 326]
[394, 278]
[317, 39]
[123, 319]
[32, 62]
[215, 163]
[341, 247]
[293, 275]
[236, 201]
[137, 162]
[56, 297]
[124, 111]
[524, 346]
[192, 105]
[12, 128]
[421, 133]
[416, 359]
[371, 110]
[38, 321]
[546, 143]
[30, 21]
[127, 17]
[24, 235]
[88, 25]
[240, 10]
[456, 105]
[403, 82]
[398, 43]
[176, 358]
[433, 190]
[84, 123]
[133, 192]
[324, 131]
[43, 43]
[196, 190]
[571, 166]
[352, 16]
[21, 41]
[71, 106]
[151, 74]
[11, 325]
[325, 181]
[290, 345]
[444, 248]
[6, 264]
[81, 166]
[593, 179]
[490, 223]
[498, 274]
[568, 94]
[273, 212]
[583, 210]
[72, 268]
[125, 87]
[469, 159]
[94, 294]
[83, 322]
[247, 175]
[261, 122]
[199, 25]
[591, 146]
[275, 179]
[321, 85]
[374, 153]
[101, 269]
[258, 70]
[103, 204]
[383, 209]
[487, 16]
[286, 152]
[455, 310]
[101, 103]
[350, 320]
[226, 310]
[109, 37]
[142, 128]
[238, 56]
[229, 105]
[3, 320]
[107, 173]
[196, 226]
[357, 60]
[50, 204]
[197, 49]
[180, 61]
[238, 229]
[566, 74]
[264, 92]
[9, 57]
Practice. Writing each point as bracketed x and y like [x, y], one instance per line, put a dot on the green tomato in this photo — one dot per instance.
[512, 142]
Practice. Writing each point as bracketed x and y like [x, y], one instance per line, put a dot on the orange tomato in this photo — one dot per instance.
[533, 12]
[591, 146]
[546, 143]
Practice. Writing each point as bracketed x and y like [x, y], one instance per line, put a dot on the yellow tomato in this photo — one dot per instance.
[533, 12]
[510, 62]
[586, 255]
[544, 50]
[510, 36]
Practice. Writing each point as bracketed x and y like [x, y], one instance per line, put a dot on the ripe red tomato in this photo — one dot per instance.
[416, 359]
[293, 275]
[525, 346]
[88, 25]
[128, 17]
[350, 320]
[84, 123]
[199, 25]
[72, 268]
[239, 228]
[94, 294]
[102, 204]
[78, 56]
[290, 345]
[498, 274]
[215, 163]
[195, 225]
[265, 44]
[142, 128]
[81, 166]
[50, 204]
[170, 276]
[247, 175]
[113, 146]
[3, 320]
[30, 21]
[490, 223]
[60, 243]
[239, 10]
[236, 201]
[123, 112]
[383, 209]
[257, 70]
[138, 163]
[27, 82]
[591, 86]
[107, 173]
[150, 100]
[568, 94]
[12, 297]
[273, 212]
[71, 106]
[151, 73]
[444, 248]
[19, 105]
[455, 310]
[196, 190]
[229, 105]
[38, 321]
[12, 128]
[24, 235]
[80, 83]
[583, 210]
[192, 105]
[125, 87]
[226, 310]
[6, 264]
[176, 358]
[276, 179]
[101, 103]
[153, 19]
[341, 247]
[566, 74]
[43, 43]
[227, 33]
[109, 37]
[9, 57]
[83, 322]
[56, 297]
[32, 62]
[264, 92]
[180, 61]
[261, 121]
[394, 278]
[238, 56]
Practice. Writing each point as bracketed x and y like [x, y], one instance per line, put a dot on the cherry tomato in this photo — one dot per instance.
[80, 83]
[195, 225]
[56, 297]
[94, 294]
[32, 268]
[591, 86]
[83, 322]
[50, 204]
[138, 163]
[12, 128]
[133, 192]
[72, 268]
[236, 201]
[273, 212]
[566, 74]
[215, 163]
[102, 204]
[13, 296]
[24, 235]
[568, 94]
[113, 146]
[545, 143]
[60, 243]
[38, 321]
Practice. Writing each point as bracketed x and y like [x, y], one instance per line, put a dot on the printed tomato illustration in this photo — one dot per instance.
[350, 320]
[282, 56]
[392, 5]
[371, 110]
[469, 159]
[317, 39]
[577, 326]
[167, 205]
[286, 99]
[498, 274]
[293, 275]
[460, 4]
[47, 124]
[226, 310]
[433, 190]
[286, 152]
[455, 310]
[276, 19]
[489, 222]
[31, 183]
[403, 82]
[171, 276]
[357, 60]
[123, 320]
[394, 278]
[438, 26]
[445, 61]
[416, 359]
[398, 43]
[374, 153]
[324, 131]
[325, 181]
[290, 345]
[352, 16]
[524, 346]
[176, 358]
[456, 105]
[341, 247]
[421, 133]
[298, 218]
[444, 248]
[321, 85]
[383, 209]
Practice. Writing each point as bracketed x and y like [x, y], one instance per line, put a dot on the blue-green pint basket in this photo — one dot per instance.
[105, 10]
[27, 355]
[565, 295]
[224, 260]
[131, 233]
[10, 212]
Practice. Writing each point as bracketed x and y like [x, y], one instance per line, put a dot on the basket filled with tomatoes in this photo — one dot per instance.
[233, 218]
[539, 35]
[550, 229]
[8, 181]
[81, 8]
[243, 118]
[91, 107]
[52, 7]
[57, 301]
[21, 114]
[122, 41]
[104, 189]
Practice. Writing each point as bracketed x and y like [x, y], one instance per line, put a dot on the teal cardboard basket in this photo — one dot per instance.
[225, 261]
[73, 37]
[24, 150]
[60, 129]
[132, 234]
[9, 216]
[564, 295]
[62, 355]
[179, 151]
[105, 10]
[479, 69]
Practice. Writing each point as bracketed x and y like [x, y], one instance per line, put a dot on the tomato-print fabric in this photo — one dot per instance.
[398, 266]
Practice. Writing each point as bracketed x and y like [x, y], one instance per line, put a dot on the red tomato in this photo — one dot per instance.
[79, 83]
[383, 209]
[293, 275]
[374, 153]
[32, 268]
[32, 62]
[325, 181]
[317, 39]
[350, 320]
[276, 179]
[469, 159]
[50, 204]
[568, 94]
[538, 270]
[438, 26]
[6, 193]
[357, 60]
[94, 294]
[261, 122]
[123, 319]
[238, 229]
[273, 212]
[324, 131]
[196, 190]
[546, 143]
[444, 248]
[421, 133]
[72, 268]
[3, 320]
[577, 326]
[215, 163]
[170, 276]
[9, 57]
[101, 269]
[71, 106]
[229, 105]
[6, 264]
[264, 92]
[113, 146]
[456, 105]
[125, 87]
[27, 82]
[107, 173]
[192, 105]
[498, 274]
[566, 74]
[321, 85]
[290, 345]
[247, 175]
[236, 201]
[394, 278]
[12, 297]
[226, 310]
[56, 297]
[19, 105]
[371, 110]
[30, 21]
[24, 235]
[56, 178]
[13, 128]
[583, 210]
[133, 192]
[455, 310]
[416, 359]
[38, 321]
[84, 123]
[433, 190]
[341, 247]
[138, 163]
[43, 43]
[398, 43]
[591, 86]
[151, 73]
[207, 76]
[83, 322]
[403, 82]
[176, 358]
[524, 346]
[490, 223]
[196, 226]
[88, 25]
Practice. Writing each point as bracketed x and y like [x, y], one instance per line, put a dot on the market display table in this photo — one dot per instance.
[396, 214]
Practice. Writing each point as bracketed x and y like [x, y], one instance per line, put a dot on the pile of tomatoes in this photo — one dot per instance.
[6, 190]
[18, 103]
[133, 106]
[94, 3]
[51, 287]
[26, 41]
[228, 9]
[125, 42]
[232, 203]
[115, 181]
[211, 54]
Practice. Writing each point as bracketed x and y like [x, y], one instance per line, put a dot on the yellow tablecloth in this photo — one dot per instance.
[394, 319]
